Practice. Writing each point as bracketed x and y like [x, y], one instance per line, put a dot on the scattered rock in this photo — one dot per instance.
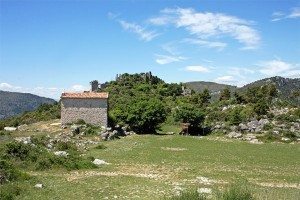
[285, 139]
[263, 122]
[234, 135]
[255, 141]
[249, 137]
[204, 190]
[39, 185]
[243, 127]
[24, 140]
[10, 128]
[218, 126]
[104, 135]
[99, 162]
[23, 127]
[61, 153]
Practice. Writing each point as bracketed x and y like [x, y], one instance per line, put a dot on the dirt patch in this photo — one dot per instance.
[277, 185]
[73, 176]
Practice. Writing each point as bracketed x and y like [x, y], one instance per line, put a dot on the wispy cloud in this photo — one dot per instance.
[142, 32]
[225, 79]
[279, 68]
[293, 14]
[206, 25]
[197, 68]
[166, 59]
[205, 43]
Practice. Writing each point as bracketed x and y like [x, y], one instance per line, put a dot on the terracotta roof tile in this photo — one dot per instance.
[85, 95]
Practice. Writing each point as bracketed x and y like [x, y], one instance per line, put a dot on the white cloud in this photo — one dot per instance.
[5, 86]
[279, 68]
[224, 79]
[205, 43]
[210, 25]
[277, 16]
[78, 88]
[164, 59]
[139, 30]
[295, 13]
[198, 68]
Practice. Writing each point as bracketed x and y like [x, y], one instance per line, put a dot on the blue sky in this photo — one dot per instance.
[47, 47]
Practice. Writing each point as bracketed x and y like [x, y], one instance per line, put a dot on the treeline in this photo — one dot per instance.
[143, 102]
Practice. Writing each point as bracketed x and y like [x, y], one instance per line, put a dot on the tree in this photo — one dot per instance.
[205, 97]
[201, 98]
[239, 98]
[235, 117]
[188, 113]
[225, 94]
[144, 115]
[261, 107]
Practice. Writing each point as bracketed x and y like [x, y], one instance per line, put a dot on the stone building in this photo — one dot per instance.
[92, 107]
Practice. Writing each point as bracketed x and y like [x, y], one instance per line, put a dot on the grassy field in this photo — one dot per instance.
[158, 166]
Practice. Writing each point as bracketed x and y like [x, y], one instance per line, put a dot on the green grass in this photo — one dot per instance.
[152, 166]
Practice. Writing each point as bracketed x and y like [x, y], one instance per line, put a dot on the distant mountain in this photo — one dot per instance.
[287, 87]
[14, 103]
[214, 88]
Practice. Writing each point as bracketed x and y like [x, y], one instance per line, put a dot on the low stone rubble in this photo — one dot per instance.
[99, 162]
[10, 128]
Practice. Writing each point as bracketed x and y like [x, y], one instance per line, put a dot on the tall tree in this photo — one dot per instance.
[225, 94]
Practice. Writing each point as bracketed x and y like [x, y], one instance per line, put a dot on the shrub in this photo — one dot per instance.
[100, 146]
[17, 150]
[39, 140]
[261, 107]
[80, 121]
[8, 172]
[4, 133]
[234, 117]
[91, 130]
[237, 191]
[9, 191]
[267, 127]
[65, 146]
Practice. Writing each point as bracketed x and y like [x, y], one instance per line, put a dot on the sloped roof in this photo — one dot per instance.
[85, 95]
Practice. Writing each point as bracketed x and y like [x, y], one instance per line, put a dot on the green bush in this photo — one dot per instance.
[188, 113]
[237, 191]
[39, 140]
[8, 172]
[100, 146]
[235, 117]
[9, 191]
[80, 121]
[65, 146]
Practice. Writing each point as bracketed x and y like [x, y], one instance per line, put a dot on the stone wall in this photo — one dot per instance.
[92, 111]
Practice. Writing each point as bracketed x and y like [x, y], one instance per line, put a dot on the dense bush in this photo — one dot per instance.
[237, 191]
[38, 158]
[9, 191]
[187, 113]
